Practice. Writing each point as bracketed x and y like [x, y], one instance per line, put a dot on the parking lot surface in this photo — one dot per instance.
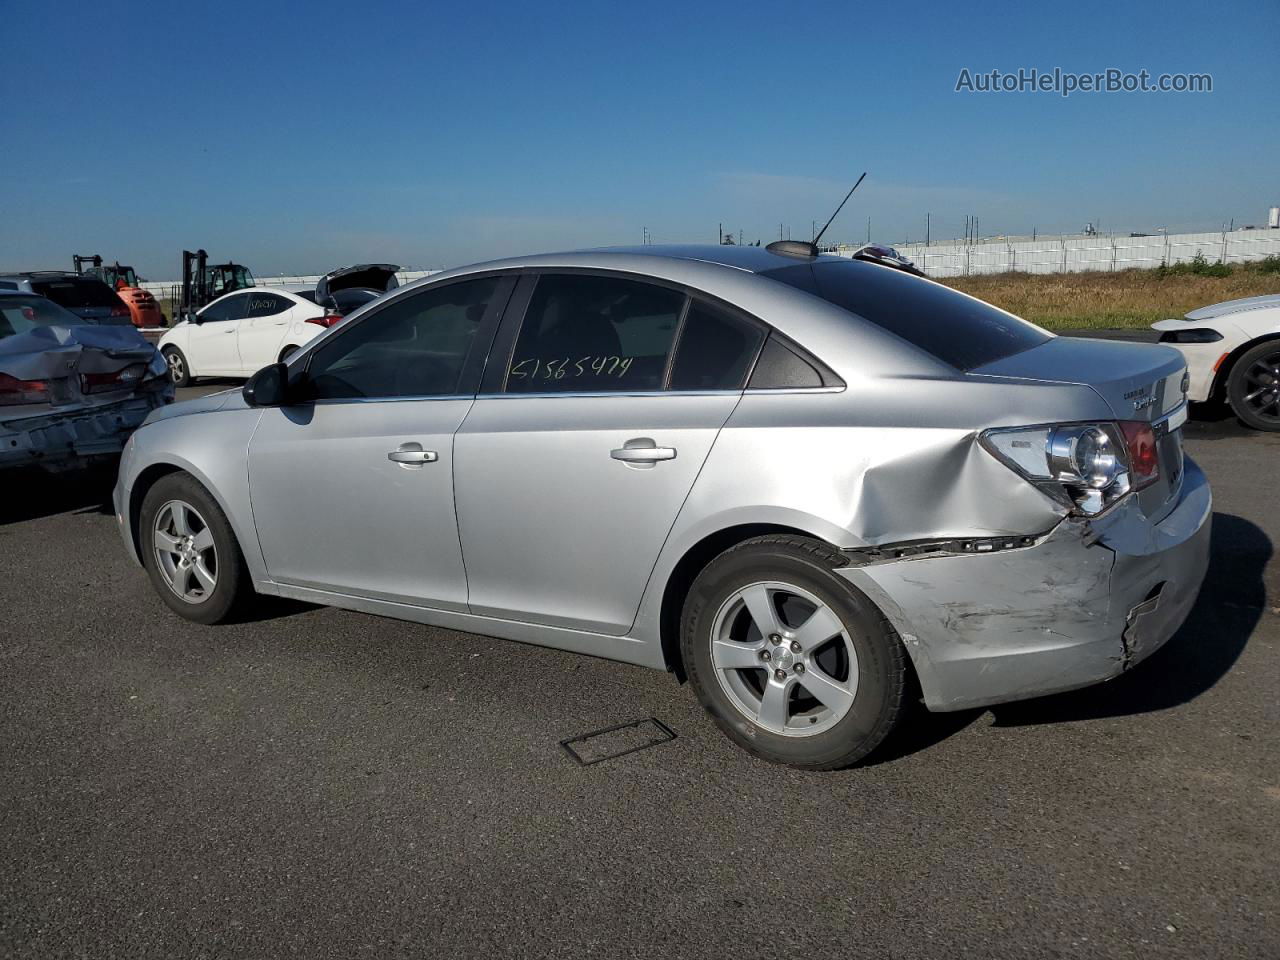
[322, 783]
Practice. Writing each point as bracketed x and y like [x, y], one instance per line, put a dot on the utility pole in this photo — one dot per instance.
[720, 234]
[813, 230]
[868, 229]
[927, 226]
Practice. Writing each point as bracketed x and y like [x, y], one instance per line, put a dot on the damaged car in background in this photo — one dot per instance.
[71, 389]
[809, 485]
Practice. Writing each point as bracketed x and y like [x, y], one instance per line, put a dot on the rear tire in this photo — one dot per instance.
[832, 685]
[190, 551]
[179, 369]
[1254, 387]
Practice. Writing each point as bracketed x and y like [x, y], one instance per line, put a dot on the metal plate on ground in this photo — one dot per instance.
[617, 741]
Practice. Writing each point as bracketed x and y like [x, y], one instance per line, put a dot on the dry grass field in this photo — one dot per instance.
[1127, 298]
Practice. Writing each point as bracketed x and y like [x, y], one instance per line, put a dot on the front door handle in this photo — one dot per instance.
[642, 452]
[412, 455]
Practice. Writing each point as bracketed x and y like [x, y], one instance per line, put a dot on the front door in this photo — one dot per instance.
[570, 475]
[352, 491]
[211, 343]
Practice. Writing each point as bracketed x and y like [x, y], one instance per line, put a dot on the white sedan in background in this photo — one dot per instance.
[1233, 353]
[241, 332]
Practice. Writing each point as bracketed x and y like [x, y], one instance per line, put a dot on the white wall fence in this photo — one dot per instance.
[172, 289]
[1070, 254]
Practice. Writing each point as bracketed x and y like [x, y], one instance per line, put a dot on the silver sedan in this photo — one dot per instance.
[812, 487]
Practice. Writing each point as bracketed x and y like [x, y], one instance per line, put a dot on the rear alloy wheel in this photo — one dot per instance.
[179, 372]
[1254, 386]
[190, 551]
[792, 662]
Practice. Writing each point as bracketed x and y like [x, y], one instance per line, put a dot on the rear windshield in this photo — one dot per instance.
[20, 314]
[78, 293]
[957, 329]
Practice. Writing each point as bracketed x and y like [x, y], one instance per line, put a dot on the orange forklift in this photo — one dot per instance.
[143, 308]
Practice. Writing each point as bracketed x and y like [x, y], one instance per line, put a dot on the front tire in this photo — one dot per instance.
[190, 551]
[179, 369]
[1254, 387]
[794, 664]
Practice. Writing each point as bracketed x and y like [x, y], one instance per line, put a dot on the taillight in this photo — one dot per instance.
[116, 380]
[1144, 462]
[1087, 466]
[328, 320]
[13, 390]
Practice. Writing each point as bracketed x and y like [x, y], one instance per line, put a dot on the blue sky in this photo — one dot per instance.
[296, 137]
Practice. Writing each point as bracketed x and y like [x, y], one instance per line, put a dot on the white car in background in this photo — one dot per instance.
[1233, 353]
[241, 332]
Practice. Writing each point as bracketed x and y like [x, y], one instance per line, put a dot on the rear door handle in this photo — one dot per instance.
[412, 455]
[642, 452]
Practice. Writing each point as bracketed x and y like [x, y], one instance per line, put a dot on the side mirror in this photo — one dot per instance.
[269, 387]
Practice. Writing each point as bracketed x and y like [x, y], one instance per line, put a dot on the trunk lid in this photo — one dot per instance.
[364, 276]
[79, 364]
[1139, 381]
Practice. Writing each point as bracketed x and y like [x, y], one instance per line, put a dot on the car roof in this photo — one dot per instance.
[739, 275]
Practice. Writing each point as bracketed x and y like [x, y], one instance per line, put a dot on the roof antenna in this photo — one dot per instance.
[799, 248]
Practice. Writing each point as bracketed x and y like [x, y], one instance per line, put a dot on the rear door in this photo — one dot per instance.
[573, 463]
[211, 346]
[260, 335]
[353, 491]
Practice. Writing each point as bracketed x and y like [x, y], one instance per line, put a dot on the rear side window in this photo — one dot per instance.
[716, 350]
[589, 334]
[958, 330]
[77, 293]
[267, 304]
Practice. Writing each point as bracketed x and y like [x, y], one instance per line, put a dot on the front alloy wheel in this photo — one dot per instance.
[186, 555]
[1254, 387]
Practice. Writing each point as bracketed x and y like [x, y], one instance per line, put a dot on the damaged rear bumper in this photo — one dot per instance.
[1079, 606]
[64, 438]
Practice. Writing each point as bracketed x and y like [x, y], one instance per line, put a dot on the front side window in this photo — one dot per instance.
[232, 308]
[414, 347]
[590, 334]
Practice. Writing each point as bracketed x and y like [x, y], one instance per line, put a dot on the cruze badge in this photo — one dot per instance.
[1141, 398]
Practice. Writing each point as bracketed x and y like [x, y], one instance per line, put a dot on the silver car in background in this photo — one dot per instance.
[803, 483]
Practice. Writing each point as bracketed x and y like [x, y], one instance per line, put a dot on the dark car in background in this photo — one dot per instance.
[89, 298]
[71, 389]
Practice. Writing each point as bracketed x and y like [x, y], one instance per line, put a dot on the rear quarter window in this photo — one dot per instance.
[958, 330]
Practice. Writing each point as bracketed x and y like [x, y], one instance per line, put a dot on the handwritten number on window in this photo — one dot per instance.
[567, 367]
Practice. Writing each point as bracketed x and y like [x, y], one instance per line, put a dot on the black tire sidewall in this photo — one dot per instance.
[231, 588]
[880, 671]
[1236, 387]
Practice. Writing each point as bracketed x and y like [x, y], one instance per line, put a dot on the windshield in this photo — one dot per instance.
[21, 314]
[957, 329]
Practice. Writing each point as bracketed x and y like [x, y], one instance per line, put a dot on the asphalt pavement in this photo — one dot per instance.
[320, 783]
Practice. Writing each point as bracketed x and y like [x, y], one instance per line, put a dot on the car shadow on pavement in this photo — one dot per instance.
[1231, 602]
[31, 494]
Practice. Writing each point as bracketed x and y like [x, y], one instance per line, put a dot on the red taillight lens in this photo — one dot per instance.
[13, 390]
[328, 320]
[1144, 461]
